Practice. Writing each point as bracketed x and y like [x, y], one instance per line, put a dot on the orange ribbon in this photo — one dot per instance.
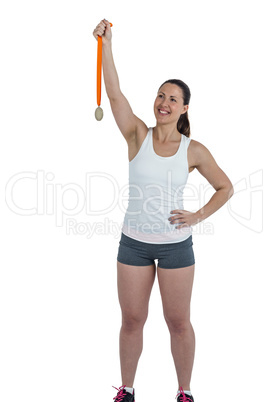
[99, 66]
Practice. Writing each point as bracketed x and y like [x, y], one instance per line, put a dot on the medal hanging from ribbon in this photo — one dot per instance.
[99, 111]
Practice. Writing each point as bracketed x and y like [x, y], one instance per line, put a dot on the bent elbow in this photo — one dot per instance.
[230, 191]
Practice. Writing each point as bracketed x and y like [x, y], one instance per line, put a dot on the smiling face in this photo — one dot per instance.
[168, 105]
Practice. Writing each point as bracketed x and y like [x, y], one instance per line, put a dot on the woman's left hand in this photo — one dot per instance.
[185, 218]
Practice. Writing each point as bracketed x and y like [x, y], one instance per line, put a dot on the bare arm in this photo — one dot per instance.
[207, 166]
[123, 114]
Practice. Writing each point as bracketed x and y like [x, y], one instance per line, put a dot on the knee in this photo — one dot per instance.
[178, 325]
[133, 321]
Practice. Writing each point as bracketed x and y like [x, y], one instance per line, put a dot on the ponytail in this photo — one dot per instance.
[183, 125]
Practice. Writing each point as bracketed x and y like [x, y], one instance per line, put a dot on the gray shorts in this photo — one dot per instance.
[171, 255]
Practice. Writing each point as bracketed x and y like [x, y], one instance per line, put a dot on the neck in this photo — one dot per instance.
[165, 133]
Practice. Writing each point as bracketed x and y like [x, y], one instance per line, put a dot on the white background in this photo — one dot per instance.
[60, 316]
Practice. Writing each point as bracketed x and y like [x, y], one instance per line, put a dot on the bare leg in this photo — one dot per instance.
[176, 289]
[134, 289]
[183, 349]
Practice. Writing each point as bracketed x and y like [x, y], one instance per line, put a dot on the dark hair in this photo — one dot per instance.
[183, 125]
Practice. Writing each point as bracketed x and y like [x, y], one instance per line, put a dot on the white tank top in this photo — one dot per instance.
[156, 185]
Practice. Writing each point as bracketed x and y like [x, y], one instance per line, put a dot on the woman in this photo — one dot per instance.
[156, 227]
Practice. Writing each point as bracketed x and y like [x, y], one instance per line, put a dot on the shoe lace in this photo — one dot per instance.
[121, 393]
[182, 396]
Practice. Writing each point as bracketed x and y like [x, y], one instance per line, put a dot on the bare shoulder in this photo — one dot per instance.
[204, 162]
[197, 152]
[197, 146]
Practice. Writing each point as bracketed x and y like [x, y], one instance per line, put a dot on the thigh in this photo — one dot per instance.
[176, 289]
[134, 288]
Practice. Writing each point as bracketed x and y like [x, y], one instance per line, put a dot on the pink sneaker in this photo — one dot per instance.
[123, 395]
[182, 397]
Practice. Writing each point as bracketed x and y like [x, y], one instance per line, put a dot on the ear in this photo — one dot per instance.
[185, 109]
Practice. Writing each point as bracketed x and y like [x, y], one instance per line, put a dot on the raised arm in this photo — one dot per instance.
[123, 114]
